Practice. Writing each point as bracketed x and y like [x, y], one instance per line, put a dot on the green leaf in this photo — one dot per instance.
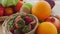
[4, 2]
[9, 2]
[21, 23]
[11, 23]
[18, 31]
[22, 16]
[40, 21]
[0, 1]
[26, 29]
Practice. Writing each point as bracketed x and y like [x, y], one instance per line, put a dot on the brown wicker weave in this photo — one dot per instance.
[2, 18]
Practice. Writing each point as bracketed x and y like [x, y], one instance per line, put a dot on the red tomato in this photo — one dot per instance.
[18, 6]
[55, 21]
[1, 10]
[8, 11]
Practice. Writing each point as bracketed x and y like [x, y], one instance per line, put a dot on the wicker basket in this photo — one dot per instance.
[2, 18]
[5, 27]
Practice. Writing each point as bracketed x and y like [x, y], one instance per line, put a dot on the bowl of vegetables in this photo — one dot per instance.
[20, 24]
[9, 7]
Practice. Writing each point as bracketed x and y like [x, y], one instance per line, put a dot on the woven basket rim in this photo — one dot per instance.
[2, 18]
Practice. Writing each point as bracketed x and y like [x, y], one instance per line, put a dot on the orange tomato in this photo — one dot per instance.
[8, 11]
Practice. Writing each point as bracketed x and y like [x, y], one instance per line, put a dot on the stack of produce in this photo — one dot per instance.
[9, 7]
[47, 24]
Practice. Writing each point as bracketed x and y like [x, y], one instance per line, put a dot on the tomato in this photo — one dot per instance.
[55, 21]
